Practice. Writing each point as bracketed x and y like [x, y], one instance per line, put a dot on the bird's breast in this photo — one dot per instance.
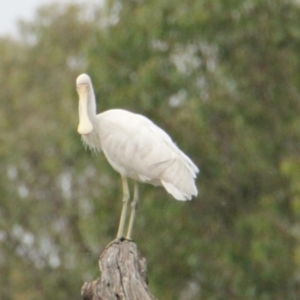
[92, 141]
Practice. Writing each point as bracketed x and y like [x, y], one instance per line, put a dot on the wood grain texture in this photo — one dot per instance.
[124, 275]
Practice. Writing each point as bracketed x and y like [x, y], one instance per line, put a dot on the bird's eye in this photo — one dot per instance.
[83, 86]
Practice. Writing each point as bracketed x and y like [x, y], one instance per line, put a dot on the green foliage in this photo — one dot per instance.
[222, 78]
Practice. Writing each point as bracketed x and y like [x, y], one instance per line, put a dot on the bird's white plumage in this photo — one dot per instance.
[134, 146]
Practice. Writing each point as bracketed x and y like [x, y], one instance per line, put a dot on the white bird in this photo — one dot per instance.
[136, 148]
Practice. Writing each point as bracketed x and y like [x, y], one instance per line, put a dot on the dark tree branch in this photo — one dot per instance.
[123, 275]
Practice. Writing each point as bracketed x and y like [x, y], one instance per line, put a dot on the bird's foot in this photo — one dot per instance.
[129, 239]
[122, 239]
[118, 240]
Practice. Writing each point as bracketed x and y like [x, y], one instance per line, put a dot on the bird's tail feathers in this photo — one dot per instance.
[175, 192]
[179, 180]
[190, 165]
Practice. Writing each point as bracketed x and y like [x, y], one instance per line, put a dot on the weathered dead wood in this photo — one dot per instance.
[123, 275]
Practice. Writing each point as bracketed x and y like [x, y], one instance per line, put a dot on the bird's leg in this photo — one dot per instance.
[134, 205]
[124, 208]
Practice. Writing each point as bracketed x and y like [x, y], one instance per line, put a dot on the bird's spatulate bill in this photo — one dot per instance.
[85, 126]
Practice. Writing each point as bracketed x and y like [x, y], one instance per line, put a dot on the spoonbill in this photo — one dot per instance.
[136, 148]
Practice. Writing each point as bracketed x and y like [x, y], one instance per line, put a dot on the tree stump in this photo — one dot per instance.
[124, 275]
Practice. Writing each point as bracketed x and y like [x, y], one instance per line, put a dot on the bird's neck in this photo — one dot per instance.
[92, 140]
[91, 108]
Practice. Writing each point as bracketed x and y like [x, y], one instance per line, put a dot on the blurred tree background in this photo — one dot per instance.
[222, 77]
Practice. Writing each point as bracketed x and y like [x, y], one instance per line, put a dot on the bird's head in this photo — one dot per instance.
[84, 89]
[83, 84]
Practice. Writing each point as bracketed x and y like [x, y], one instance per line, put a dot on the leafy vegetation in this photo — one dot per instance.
[222, 77]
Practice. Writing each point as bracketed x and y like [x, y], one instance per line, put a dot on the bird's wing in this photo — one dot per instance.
[166, 138]
[139, 149]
